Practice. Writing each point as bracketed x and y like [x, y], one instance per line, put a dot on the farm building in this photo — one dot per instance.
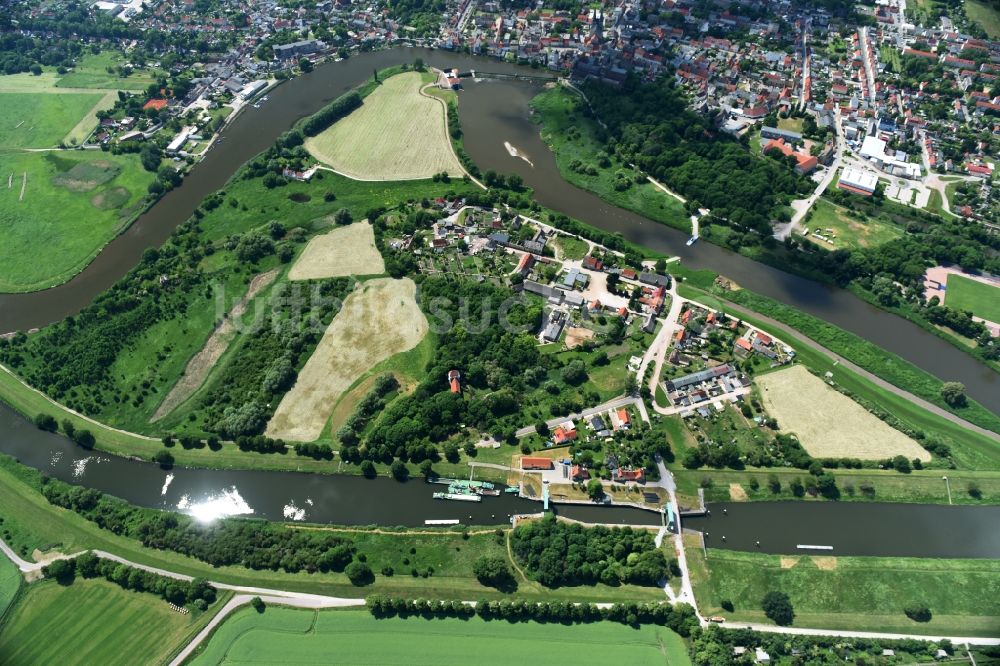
[534, 462]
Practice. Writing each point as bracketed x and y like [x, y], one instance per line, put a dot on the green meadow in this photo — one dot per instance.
[72, 204]
[10, 583]
[980, 299]
[284, 635]
[94, 622]
[43, 119]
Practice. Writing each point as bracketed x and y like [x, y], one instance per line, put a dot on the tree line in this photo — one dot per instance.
[680, 618]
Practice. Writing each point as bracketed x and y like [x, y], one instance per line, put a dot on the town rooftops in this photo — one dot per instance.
[535, 462]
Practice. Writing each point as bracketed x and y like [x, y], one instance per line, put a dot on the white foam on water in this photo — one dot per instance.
[309, 501]
[225, 503]
[292, 512]
[56, 457]
[166, 484]
[80, 466]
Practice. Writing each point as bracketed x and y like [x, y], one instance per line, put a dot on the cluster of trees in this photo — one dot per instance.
[489, 356]
[423, 16]
[650, 125]
[713, 646]
[178, 592]
[255, 544]
[373, 403]
[557, 553]
[331, 113]
[680, 618]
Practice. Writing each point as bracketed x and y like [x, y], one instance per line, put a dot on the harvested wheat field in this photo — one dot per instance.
[397, 134]
[346, 250]
[829, 424]
[379, 319]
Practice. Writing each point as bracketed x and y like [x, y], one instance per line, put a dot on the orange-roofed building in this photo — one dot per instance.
[453, 377]
[158, 104]
[579, 473]
[637, 475]
[623, 417]
[563, 435]
[534, 462]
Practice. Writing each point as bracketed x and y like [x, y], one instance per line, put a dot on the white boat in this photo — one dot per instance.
[458, 498]
[692, 240]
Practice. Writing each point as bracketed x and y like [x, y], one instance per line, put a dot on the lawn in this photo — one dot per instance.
[378, 320]
[72, 205]
[306, 636]
[828, 423]
[94, 622]
[790, 124]
[91, 71]
[571, 247]
[846, 230]
[983, 300]
[987, 16]
[397, 134]
[573, 138]
[42, 119]
[853, 592]
[10, 584]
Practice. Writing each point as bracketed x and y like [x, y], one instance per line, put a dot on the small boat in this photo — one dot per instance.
[692, 240]
[458, 497]
[512, 490]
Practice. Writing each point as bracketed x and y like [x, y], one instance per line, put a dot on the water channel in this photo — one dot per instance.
[850, 528]
[492, 112]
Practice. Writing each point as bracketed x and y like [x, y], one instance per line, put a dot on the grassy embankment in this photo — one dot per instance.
[285, 634]
[573, 137]
[852, 593]
[96, 622]
[30, 522]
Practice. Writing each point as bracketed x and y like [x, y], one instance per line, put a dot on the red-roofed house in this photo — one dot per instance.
[532, 462]
[158, 104]
[637, 475]
[562, 435]
[579, 473]
[453, 377]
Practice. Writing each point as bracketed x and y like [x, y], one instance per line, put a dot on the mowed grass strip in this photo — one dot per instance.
[283, 635]
[42, 120]
[93, 622]
[348, 250]
[828, 423]
[379, 319]
[853, 592]
[979, 298]
[397, 134]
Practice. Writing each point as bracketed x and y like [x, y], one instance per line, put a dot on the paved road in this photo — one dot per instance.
[617, 403]
[793, 334]
[803, 206]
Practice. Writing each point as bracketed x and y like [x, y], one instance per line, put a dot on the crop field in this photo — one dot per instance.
[831, 220]
[828, 423]
[58, 209]
[853, 592]
[10, 583]
[92, 622]
[397, 134]
[303, 636]
[982, 299]
[42, 120]
[348, 250]
[379, 319]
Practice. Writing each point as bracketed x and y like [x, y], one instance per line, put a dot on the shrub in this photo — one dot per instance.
[917, 611]
[360, 574]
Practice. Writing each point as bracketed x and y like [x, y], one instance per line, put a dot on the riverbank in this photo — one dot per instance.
[851, 593]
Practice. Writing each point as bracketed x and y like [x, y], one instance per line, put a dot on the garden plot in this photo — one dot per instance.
[346, 250]
[829, 424]
[379, 319]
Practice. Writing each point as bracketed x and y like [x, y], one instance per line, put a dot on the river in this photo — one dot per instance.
[850, 528]
[492, 112]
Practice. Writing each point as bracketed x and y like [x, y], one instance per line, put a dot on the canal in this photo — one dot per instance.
[909, 530]
[492, 112]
